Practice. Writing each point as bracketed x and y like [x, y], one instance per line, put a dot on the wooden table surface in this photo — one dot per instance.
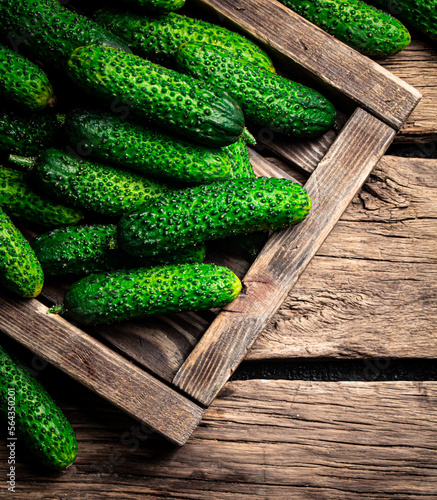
[369, 294]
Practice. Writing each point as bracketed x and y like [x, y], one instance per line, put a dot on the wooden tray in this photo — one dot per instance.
[166, 370]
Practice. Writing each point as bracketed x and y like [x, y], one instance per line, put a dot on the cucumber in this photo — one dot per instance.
[357, 24]
[106, 137]
[420, 15]
[49, 31]
[247, 245]
[34, 418]
[24, 83]
[239, 155]
[20, 271]
[91, 248]
[159, 38]
[174, 101]
[122, 295]
[91, 186]
[156, 6]
[267, 99]
[207, 212]
[27, 134]
[21, 200]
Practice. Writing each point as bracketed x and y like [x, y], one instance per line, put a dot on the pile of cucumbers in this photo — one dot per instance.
[117, 170]
[123, 192]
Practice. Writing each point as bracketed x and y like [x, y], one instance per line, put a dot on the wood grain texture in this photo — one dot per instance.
[359, 78]
[339, 176]
[371, 290]
[271, 440]
[417, 65]
[99, 368]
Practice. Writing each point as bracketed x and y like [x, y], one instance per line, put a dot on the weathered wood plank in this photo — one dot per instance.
[259, 439]
[417, 65]
[99, 368]
[330, 61]
[371, 290]
[266, 285]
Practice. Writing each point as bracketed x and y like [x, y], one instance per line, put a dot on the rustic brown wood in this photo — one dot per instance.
[258, 440]
[99, 368]
[159, 343]
[267, 283]
[417, 65]
[303, 153]
[371, 290]
[328, 60]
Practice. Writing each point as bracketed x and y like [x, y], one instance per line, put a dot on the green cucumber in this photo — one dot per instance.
[21, 200]
[122, 295]
[99, 188]
[159, 38]
[193, 215]
[27, 134]
[267, 99]
[91, 248]
[173, 101]
[359, 25]
[20, 270]
[24, 83]
[239, 155]
[49, 31]
[420, 15]
[248, 245]
[33, 417]
[104, 136]
[156, 6]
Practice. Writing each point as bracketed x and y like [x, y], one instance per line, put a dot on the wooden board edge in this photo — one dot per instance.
[349, 161]
[100, 369]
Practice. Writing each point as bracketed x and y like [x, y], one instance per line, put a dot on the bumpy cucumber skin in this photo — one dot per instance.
[23, 82]
[159, 38]
[50, 31]
[20, 271]
[267, 99]
[157, 6]
[421, 15]
[39, 422]
[20, 200]
[91, 248]
[359, 25]
[92, 186]
[106, 137]
[239, 155]
[174, 101]
[248, 245]
[27, 134]
[193, 215]
[77, 250]
[121, 295]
